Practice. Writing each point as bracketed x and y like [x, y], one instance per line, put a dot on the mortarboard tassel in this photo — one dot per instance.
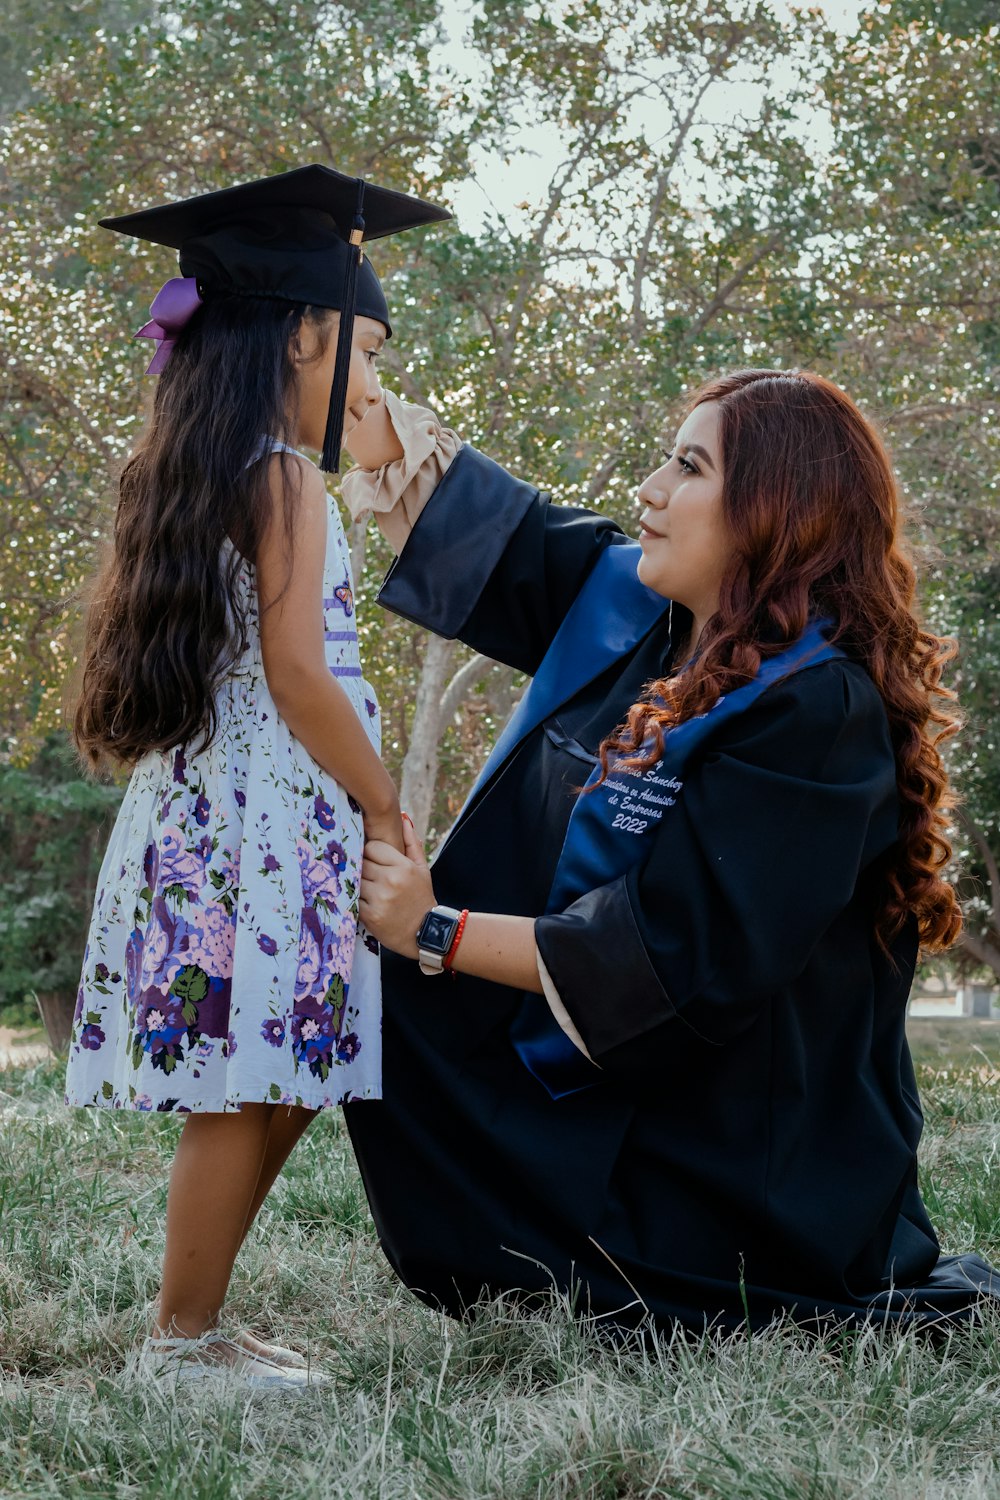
[342, 365]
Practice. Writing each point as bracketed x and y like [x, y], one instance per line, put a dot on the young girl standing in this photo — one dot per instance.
[226, 976]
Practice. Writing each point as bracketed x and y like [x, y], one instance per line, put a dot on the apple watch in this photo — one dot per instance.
[435, 936]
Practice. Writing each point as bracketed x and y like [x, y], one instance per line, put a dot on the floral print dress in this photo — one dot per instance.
[225, 961]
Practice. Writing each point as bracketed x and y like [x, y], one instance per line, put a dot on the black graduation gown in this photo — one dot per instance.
[749, 1144]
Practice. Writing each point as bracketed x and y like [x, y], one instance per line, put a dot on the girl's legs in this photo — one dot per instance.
[287, 1127]
[212, 1185]
[286, 1130]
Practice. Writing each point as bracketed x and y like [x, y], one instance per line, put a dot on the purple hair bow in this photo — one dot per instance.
[172, 306]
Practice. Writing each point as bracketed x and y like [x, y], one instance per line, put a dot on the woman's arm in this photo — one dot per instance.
[309, 699]
[483, 556]
[763, 851]
[397, 893]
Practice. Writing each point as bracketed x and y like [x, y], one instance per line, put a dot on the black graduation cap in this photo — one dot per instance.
[296, 236]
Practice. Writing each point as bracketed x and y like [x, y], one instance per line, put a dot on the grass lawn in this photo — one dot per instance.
[943, 1043]
[508, 1407]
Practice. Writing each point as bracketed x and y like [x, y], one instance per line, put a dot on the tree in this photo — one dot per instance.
[656, 247]
[205, 94]
[53, 828]
[919, 125]
[615, 265]
[30, 39]
[972, 607]
[519, 355]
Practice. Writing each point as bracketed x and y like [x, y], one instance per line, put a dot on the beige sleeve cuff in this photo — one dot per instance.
[558, 1009]
[398, 492]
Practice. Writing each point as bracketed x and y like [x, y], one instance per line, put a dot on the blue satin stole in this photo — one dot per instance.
[610, 827]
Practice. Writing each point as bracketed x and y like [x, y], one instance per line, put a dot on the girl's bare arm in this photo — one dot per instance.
[309, 699]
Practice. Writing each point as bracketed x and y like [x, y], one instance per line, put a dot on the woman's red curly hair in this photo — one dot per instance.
[812, 504]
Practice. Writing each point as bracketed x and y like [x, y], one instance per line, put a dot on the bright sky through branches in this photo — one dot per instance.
[502, 184]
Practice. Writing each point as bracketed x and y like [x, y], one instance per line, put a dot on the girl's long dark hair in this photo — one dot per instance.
[811, 503]
[167, 618]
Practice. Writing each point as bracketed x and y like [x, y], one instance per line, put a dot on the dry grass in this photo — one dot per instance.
[506, 1406]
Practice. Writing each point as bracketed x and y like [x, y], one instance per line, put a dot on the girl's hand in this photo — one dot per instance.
[396, 891]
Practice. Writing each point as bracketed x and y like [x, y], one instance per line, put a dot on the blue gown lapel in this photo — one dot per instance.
[610, 615]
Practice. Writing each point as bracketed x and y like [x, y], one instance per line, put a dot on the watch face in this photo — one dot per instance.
[436, 932]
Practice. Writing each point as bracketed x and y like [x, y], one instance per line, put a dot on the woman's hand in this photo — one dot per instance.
[396, 891]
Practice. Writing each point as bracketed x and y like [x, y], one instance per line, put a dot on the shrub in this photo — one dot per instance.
[53, 829]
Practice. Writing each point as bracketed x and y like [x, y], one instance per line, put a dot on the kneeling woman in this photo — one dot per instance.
[671, 1076]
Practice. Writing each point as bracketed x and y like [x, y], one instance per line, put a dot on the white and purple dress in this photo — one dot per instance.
[225, 962]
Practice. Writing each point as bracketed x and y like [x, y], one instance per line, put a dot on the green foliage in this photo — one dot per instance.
[921, 90]
[203, 94]
[957, 18]
[674, 233]
[53, 827]
[32, 34]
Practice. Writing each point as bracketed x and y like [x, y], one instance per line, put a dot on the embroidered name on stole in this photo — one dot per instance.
[608, 833]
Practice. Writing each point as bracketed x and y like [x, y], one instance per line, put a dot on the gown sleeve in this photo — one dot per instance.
[483, 556]
[765, 848]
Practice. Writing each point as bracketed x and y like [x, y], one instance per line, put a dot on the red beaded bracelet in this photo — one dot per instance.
[448, 959]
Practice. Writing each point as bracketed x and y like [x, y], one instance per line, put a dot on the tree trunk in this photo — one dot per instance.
[983, 949]
[420, 765]
[56, 1010]
[357, 539]
[438, 701]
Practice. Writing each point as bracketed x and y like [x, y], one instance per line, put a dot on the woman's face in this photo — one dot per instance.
[316, 376]
[686, 547]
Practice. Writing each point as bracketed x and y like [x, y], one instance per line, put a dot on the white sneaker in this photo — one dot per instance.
[275, 1354]
[215, 1357]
